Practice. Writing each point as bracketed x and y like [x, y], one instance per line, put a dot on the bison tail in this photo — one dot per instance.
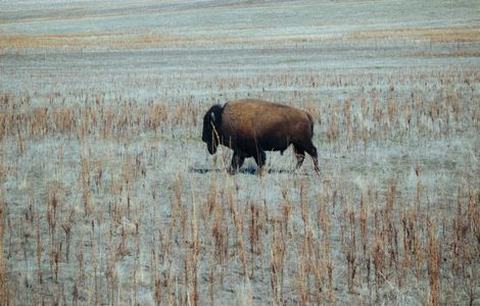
[311, 122]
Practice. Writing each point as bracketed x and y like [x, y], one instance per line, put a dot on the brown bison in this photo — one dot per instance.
[250, 127]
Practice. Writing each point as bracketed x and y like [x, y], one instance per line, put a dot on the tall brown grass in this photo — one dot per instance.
[113, 225]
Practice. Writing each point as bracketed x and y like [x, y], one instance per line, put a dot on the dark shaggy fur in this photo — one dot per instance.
[251, 127]
[213, 118]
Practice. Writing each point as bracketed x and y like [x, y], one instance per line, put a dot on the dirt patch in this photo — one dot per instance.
[438, 35]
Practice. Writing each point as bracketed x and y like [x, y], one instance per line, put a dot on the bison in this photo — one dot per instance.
[250, 127]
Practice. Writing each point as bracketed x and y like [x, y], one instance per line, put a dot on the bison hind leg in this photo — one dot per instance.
[299, 154]
[308, 147]
[312, 151]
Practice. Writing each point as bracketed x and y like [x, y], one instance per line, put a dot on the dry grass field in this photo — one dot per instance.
[109, 197]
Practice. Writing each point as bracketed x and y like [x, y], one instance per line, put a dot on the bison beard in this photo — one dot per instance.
[250, 127]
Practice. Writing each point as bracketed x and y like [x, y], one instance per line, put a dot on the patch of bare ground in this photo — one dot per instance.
[80, 41]
[137, 41]
[466, 34]
[459, 53]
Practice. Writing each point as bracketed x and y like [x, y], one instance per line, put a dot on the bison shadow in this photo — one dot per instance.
[244, 170]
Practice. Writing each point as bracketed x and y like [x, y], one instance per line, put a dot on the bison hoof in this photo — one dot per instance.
[260, 171]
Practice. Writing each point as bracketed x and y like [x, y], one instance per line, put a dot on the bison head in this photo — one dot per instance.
[211, 124]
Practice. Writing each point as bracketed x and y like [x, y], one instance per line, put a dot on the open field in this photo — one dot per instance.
[109, 196]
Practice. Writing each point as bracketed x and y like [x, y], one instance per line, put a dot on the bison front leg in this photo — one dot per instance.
[260, 159]
[237, 161]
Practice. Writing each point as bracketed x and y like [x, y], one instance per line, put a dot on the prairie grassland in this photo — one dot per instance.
[108, 196]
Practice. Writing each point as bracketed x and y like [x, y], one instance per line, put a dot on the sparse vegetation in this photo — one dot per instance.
[107, 195]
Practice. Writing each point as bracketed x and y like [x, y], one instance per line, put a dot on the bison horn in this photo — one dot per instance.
[213, 116]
